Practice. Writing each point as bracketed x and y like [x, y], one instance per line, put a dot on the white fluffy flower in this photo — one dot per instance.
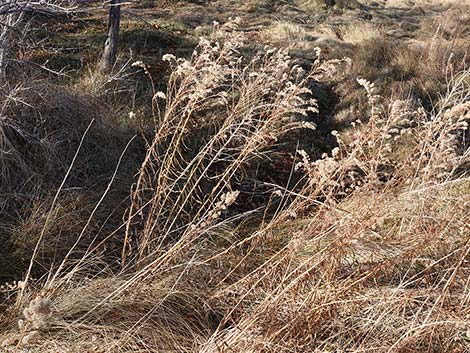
[138, 64]
[169, 57]
[160, 95]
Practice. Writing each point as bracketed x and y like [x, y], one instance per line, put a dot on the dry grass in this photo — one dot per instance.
[41, 126]
[365, 248]
[286, 32]
[361, 32]
[417, 69]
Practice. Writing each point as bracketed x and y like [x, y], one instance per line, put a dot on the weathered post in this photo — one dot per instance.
[111, 45]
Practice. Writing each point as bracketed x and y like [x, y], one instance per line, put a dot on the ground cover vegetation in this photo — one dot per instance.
[246, 176]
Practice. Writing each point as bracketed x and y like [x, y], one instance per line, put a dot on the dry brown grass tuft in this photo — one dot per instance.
[417, 69]
[368, 273]
[40, 129]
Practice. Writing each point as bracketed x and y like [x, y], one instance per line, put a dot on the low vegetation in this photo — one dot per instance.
[262, 185]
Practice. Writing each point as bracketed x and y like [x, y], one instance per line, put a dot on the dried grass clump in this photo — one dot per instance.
[60, 229]
[400, 145]
[362, 32]
[220, 115]
[40, 130]
[286, 32]
[368, 273]
[416, 69]
[455, 22]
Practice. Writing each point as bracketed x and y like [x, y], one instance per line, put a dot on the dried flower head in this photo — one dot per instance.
[169, 57]
[31, 338]
[160, 95]
[38, 313]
